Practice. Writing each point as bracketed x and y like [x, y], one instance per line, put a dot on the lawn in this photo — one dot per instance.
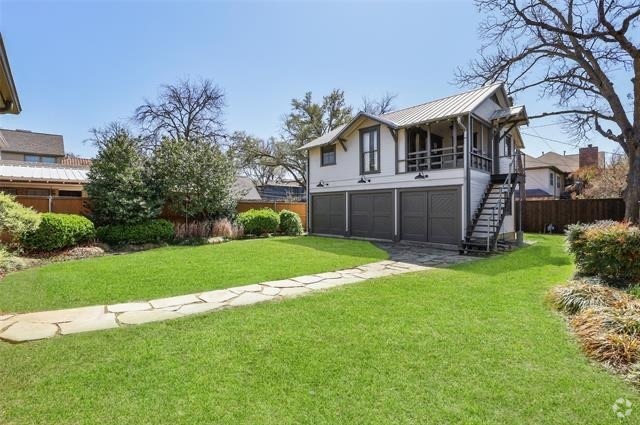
[178, 270]
[472, 344]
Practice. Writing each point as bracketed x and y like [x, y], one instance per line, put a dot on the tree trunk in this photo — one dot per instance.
[632, 191]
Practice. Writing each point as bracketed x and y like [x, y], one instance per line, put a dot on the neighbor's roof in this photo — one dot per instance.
[435, 110]
[532, 163]
[9, 102]
[18, 171]
[29, 142]
[245, 187]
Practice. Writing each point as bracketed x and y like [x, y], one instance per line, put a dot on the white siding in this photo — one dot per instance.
[539, 178]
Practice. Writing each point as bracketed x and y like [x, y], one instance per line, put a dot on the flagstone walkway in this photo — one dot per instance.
[47, 324]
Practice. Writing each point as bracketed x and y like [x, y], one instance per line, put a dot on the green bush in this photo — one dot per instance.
[58, 231]
[607, 249]
[15, 219]
[290, 223]
[8, 262]
[159, 230]
[259, 222]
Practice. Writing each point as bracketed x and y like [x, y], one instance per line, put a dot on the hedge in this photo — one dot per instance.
[148, 232]
[290, 223]
[607, 249]
[16, 220]
[259, 222]
[58, 231]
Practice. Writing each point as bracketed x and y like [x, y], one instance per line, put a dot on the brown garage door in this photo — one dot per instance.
[371, 215]
[430, 216]
[328, 214]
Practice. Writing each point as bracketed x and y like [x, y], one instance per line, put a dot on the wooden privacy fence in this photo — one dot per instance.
[537, 215]
[69, 205]
[55, 204]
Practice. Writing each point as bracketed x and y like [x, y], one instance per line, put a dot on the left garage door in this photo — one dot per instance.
[371, 215]
[328, 215]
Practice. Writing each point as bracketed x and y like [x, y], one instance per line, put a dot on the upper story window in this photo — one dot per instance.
[39, 158]
[328, 155]
[507, 145]
[370, 150]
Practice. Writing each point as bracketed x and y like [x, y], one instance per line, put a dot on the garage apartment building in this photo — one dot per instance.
[443, 172]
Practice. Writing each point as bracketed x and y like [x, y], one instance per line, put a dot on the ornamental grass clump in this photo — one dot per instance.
[577, 296]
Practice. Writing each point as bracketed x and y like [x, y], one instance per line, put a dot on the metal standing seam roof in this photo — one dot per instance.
[43, 174]
[442, 108]
[434, 110]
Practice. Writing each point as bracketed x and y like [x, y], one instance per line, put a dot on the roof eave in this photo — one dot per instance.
[8, 91]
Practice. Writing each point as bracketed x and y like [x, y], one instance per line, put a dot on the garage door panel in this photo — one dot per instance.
[371, 215]
[328, 214]
[430, 216]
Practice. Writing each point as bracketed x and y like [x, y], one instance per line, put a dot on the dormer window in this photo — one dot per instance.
[370, 150]
[328, 155]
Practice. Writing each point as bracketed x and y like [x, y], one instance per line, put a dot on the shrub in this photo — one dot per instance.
[8, 262]
[16, 220]
[159, 230]
[226, 228]
[290, 223]
[578, 296]
[58, 231]
[259, 222]
[607, 249]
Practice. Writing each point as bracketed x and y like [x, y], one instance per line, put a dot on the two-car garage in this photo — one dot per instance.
[424, 215]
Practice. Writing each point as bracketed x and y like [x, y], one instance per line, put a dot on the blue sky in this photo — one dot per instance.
[82, 64]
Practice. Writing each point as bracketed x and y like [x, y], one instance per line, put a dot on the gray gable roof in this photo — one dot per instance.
[435, 110]
[29, 142]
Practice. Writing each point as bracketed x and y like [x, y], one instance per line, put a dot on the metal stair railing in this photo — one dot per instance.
[497, 209]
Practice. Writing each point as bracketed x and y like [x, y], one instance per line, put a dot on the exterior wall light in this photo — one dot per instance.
[321, 183]
[364, 180]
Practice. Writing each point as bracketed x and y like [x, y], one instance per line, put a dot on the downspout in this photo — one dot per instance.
[308, 173]
[467, 174]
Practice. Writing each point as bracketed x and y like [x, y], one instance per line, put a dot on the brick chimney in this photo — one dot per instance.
[588, 157]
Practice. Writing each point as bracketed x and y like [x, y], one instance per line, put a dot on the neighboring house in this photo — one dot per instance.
[282, 191]
[442, 172]
[34, 164]
[246, 189]
[549, 175]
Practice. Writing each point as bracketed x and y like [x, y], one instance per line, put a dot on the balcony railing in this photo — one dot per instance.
[443, 158]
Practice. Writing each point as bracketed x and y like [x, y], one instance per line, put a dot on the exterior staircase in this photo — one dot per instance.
[483, 234]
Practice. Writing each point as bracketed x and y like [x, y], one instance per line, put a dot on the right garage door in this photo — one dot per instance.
[431, 216]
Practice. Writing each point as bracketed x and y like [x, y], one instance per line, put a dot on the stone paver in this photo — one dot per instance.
[218, 296]
[59, 316]
[269, 290]
[199, 308]
[46, 324]
[28, 331]
[106, 321]
[139, 317]
[174, 301]
[121, 308]
[246, 288]
[249, 298]
[286, 283]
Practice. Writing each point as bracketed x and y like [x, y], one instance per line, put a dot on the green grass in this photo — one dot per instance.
[178, 270]
[473, 344]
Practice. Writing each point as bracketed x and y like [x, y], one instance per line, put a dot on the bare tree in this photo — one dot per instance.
[570, 51]
[255, 158]
[379, 106]
[187, 110]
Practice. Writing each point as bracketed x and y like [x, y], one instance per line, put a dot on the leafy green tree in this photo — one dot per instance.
[195, 178]
[118, 180]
